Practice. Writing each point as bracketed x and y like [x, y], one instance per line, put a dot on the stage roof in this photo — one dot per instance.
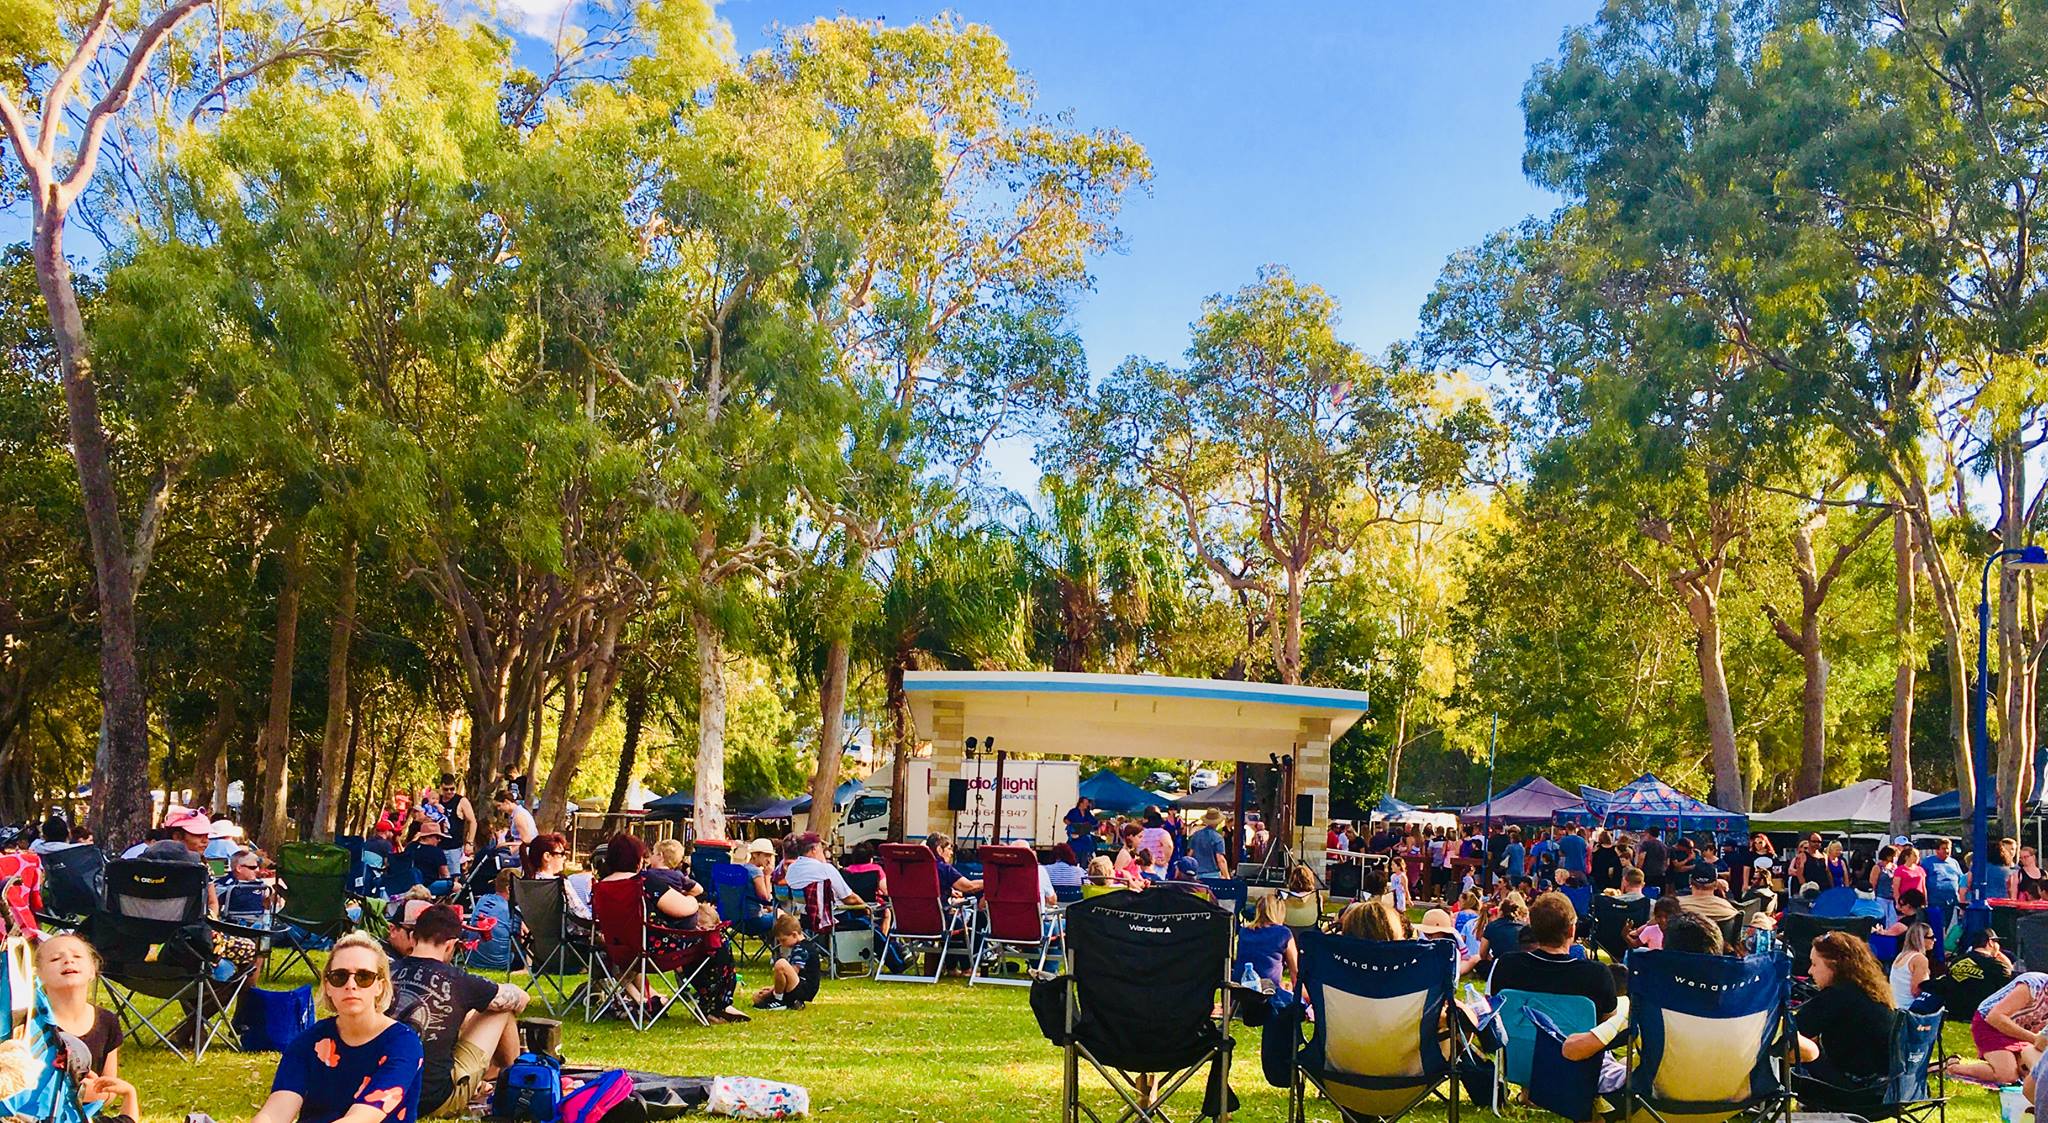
[1057, 714]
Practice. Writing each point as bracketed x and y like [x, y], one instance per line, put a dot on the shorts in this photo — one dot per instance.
[465, 1073]
[1989, 1040]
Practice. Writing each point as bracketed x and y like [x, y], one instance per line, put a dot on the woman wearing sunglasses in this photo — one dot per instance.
[358, 1066]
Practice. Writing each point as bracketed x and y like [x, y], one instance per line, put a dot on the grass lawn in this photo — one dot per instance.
[866, 1051]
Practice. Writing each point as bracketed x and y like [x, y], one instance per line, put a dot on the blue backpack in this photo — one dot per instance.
[269, 1020]
[530, 1088]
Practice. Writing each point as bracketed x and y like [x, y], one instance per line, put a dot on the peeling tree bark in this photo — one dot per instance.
[824, 814]
[709, 817]
[334, 737]
[274, 780]
[1906, 663]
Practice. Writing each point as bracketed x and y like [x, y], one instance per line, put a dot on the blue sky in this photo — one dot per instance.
[1359, 143]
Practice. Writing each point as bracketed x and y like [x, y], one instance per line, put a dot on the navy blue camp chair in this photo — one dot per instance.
[1570, 1089]
[732, 886]
[1836, 902]
[1709, 1032]
[1914, 1088]
[1381, 1044]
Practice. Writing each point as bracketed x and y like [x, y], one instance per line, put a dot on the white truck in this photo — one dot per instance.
[1036, 797]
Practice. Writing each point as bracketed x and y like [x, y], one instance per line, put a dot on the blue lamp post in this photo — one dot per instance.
[1978, 915]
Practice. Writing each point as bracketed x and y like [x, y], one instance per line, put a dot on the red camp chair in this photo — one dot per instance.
[1014, 923]
[620, 912]
[921, 918]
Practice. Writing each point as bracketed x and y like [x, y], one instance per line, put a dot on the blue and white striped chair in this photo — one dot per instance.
[1710, 1032]
[1385, 1036]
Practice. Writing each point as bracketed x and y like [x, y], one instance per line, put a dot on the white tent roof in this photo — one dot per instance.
[1059, 714]
[1865, 802]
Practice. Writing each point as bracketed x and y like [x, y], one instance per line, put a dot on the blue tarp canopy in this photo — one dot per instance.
[1947, 805]
[676, 805]
[1530, 800]
[801, 805]
[1111, 792]
[1388, 807]
[780, 809]
[1650, 802]
[1588, 812]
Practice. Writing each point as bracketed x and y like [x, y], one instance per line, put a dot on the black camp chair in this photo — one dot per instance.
[1915, 1087]
[312, 879]
[2030, 943]
[1140, 1001]
[558, 947]
[1611, 919]
[157, 955]
[1800, 930]
[74, 881]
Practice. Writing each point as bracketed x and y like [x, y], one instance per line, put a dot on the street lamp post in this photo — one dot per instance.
[1977, 916]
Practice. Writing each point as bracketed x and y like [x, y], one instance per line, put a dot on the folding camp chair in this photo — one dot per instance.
[625, 961]
[1612, 917]
[1571, 1013]
[1230, 892]
[557, 948]
[1386, 1036]
[921, 919]
[1800, 931]
[21, 889]
[823, 920]
[1837, 902]
[2030, 942]
[1139, 1003]
[74, 882]
[157, 953]
[1915, 1086]
[1712, 1034]
[312, 883]
[732, 888]
[1014, 922]
[1581, 897]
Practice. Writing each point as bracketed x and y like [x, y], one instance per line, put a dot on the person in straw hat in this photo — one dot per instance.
[1206, 846]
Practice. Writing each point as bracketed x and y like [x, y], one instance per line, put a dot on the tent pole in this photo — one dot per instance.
[1486, 833]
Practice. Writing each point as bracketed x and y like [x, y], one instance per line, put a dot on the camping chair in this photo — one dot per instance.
[556, 946]
[921, 919]
[1839, 901]
[2030, 942]
[1611, 919]
[1915, 1086]
[1570, 1013]
[1230, 892]
[312, 885]
[1581, 897]
[74, 881]
[732, 889]
[1710, 1032]
[624, 960]
[820, 916]
[1380, 1045]
[21, 890]
[1139, 1003]
[1800, 931]
[1015, 925]
[157, 953]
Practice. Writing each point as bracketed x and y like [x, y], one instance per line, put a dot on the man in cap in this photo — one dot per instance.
[429, 859]
[1704, 898]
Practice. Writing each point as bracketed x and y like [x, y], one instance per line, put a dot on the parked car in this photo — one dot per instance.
[1203, 779]
[1163, 781]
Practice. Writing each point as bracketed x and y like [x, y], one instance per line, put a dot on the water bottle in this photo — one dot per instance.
[223, 970]
[1248, 978]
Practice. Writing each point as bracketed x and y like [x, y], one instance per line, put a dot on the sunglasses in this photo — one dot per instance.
[363, 977]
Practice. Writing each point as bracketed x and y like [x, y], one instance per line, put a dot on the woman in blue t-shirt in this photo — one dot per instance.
[360, 1065]
[1266, 944]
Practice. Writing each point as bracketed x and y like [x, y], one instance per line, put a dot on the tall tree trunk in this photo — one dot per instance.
[629, 748]
[275, 755]
[335, 736]
[1943, 588]
[1703, 604]
[1400, 742]
[710, 789]
[2015, 749]
[1290, 630]
[1905, 665]
[212, 748]
[120, 775]
[600, 673]
[342, 822]
[899, 727]
[831, 736]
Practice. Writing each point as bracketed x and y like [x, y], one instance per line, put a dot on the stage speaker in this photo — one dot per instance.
[1304, 810]
[1344, 878]
[956, 795]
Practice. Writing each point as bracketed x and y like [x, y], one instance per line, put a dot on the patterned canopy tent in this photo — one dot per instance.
[1588, 812]
[1650, 802]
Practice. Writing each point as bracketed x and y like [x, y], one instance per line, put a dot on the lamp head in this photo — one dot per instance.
[971, 743]
[2030, 557]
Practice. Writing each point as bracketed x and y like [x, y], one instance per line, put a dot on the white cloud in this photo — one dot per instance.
[535, 17]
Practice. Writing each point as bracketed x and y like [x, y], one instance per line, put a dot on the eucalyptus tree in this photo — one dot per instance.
[964, 221]
[1279, 443]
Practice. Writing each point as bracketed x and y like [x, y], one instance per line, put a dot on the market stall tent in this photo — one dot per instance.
[1862, 805]
[1530, 800]
[1650, 802]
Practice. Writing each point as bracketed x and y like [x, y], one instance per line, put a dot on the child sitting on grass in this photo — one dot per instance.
[791, 989]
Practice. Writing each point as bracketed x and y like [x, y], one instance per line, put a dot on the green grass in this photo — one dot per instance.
[867, 1051]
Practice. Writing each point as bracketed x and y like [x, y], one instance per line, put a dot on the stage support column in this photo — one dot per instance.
[949, 749]
[1311, 778]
